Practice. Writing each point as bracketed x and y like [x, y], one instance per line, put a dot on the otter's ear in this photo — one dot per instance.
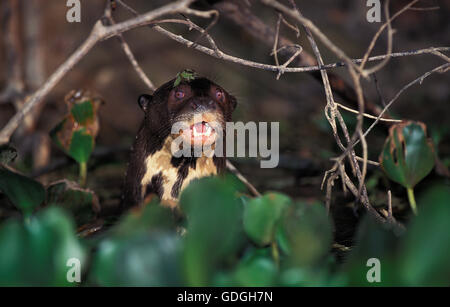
[144, 101]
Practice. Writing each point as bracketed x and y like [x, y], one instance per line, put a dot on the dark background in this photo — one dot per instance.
[296, 100]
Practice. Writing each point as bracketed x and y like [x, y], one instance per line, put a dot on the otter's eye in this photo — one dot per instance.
[179, 94]
[219, 95]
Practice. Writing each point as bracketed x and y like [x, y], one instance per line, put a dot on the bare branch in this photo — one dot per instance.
[314, 29]
[98, 33]
[390, 33]
[440, 69]
[127, 50]
[386, 24]
[388, 120]
[235, 171]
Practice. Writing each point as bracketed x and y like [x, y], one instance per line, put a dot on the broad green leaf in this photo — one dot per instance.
[408, 155]
[37, 253]
[424, 257]
[81, 146]
[83, 112]
[261, 217]
[7, 154]
[76, 133]
[256, 269]
[139, 220]
[25, 193]
[146, 259]
[373, 241]
[305, 233]
[214, 229]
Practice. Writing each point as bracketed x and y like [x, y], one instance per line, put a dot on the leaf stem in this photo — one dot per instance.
[83, 174]
[412, 200]
[275, 253]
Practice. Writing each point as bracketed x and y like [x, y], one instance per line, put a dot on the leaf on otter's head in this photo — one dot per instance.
[408, 155]
[186, 75]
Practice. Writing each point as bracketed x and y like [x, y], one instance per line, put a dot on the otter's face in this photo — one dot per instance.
[196, 110]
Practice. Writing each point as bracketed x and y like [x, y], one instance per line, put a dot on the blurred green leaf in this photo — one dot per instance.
[139, 220]
[305, 233]
[23, 192]
[76, 133]
[83, 112]
[81, 146]
[407, 156]
[373, 240]
[146, 259]
[261, 217]
[316, 276]
[424, 259]
[36, 253]
[214, 230]
[255, 269]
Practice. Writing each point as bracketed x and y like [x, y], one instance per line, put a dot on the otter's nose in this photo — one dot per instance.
[203, 105]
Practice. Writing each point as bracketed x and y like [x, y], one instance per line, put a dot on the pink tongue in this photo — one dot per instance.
[200, 128]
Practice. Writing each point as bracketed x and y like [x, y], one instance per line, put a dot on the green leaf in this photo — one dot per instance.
[150, 259]
[140, 250]
[143, 220]
[81, 146]
[408, 155]
[261, 216]
[25, 193]
[83, 112]
[256, 269]
[76, 133]
[82, 203]
[7, 154]
[214, 229]
[36, 253]
[424, 257]
[373, 240]
[305, 233]
[186, 76]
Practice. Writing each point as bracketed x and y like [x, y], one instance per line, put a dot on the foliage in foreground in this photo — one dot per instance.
[226, 240]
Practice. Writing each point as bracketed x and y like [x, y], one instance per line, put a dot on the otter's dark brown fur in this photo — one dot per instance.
[152, 168]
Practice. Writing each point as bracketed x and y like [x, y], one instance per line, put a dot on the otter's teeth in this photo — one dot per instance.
[205, 131]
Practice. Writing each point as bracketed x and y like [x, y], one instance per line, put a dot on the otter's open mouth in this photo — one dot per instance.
[202, 133]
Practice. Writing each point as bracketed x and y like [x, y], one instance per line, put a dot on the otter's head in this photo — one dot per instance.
[190, 110]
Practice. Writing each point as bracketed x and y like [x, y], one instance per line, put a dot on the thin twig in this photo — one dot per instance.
[98, 33]
[390, 33]
[440, 69]
[244, 180]
[314, 29]
[388, 120]
[127, 50]
[380, 30]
